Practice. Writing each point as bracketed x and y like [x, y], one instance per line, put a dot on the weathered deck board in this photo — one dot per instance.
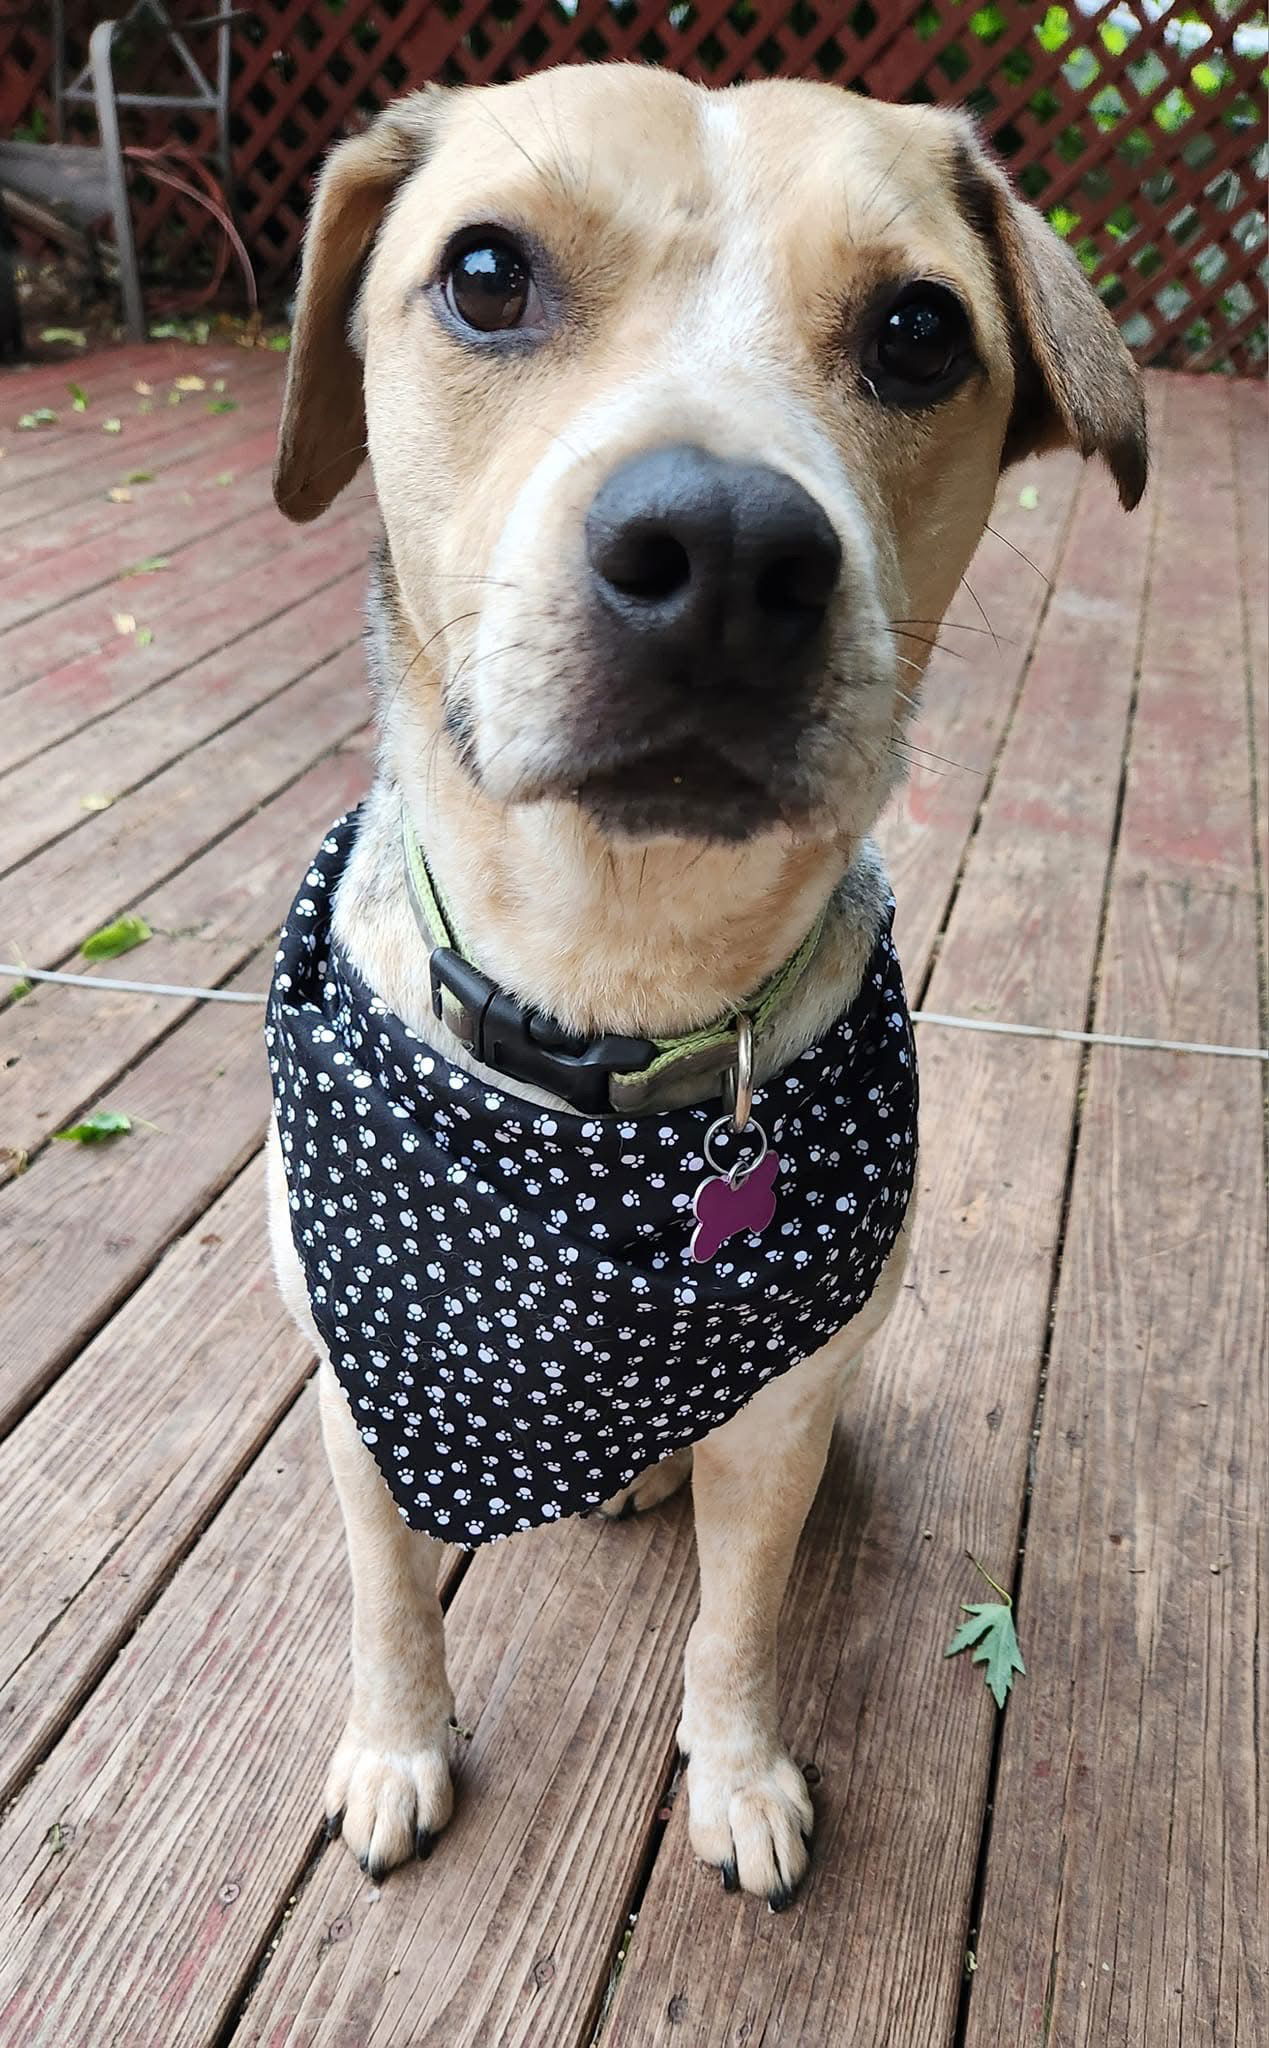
[29, 590]
[968, 697]
[111, 380]
[938, 1428]
[1126, 1897]
[63, 1046]
[167, 442]
[116, 858]
[43, 713]
[203, 702]
[185, 1679]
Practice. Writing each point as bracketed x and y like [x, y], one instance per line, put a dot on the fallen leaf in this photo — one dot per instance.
[112, 426]
[990, 1626]
[79, 397]
[144, 636]
[123, 622]
[1028, 497]
[150, 566]
[191, 384]
[95, 803]
[219, 384]
[43, 416]
[120, 937]
[280, 342]
[223, 405]
[142, 389]
[18, 989]
[74, 335]
[91, 1130]
[226, 477]
[13, 1161]
[119, 494]
[139, 476]
[146, 405]
[173, 397]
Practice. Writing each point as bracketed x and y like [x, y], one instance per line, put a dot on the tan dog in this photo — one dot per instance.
[550, 311]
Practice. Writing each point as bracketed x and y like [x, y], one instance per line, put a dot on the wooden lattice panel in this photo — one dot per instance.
[1140, 133]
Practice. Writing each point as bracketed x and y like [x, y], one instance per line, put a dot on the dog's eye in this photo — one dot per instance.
[487, 284]
[922, 346]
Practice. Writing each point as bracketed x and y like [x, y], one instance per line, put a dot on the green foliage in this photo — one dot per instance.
[94, 1129]
[119, 937]
[990, 1633]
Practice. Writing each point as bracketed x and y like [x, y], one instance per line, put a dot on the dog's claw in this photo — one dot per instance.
[780, 1900]
[423, 1842]
[334, 1825]
[731, 1879]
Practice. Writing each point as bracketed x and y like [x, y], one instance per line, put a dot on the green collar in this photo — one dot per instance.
[626, 1076]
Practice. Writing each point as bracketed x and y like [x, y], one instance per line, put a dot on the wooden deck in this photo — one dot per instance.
[1073, 1387]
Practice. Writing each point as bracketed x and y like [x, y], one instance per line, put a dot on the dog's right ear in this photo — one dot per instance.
[322, 436]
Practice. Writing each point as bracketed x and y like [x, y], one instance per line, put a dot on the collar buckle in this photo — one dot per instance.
[526, 1045]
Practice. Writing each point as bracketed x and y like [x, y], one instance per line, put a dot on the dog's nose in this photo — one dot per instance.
[711, 569]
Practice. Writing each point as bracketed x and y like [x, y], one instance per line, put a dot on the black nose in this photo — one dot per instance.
[711, 569]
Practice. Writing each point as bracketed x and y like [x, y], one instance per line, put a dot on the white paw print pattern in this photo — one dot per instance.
[507, 1293]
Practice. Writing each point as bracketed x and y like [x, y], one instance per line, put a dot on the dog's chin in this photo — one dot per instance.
[679, 794]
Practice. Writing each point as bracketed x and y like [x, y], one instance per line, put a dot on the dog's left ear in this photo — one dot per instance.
[322, 437]
[1076, 384]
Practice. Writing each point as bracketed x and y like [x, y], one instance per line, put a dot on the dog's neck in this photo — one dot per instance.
[651, 940]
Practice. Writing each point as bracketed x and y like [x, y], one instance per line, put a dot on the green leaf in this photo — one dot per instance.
[279, 342]
[74, 335]
[139, 476]
[990, 1628]
[119, 937]
[145, 635]
[1028, 497]
[18, 989]
[150, 566]
[223, 405]
[43, 416]
[112, 426]
[103, 1123]
[79, 397]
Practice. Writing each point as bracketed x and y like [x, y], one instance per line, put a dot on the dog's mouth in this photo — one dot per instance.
[691, 790]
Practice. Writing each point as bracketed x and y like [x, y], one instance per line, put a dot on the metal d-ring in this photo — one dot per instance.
[742, 1108]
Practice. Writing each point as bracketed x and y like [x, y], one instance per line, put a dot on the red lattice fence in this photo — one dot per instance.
[1137, 126]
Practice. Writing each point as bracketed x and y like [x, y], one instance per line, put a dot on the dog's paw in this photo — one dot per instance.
[650, 1488]
[750, 1815]
[388, 1804]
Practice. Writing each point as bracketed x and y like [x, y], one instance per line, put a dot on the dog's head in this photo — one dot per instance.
[682, 406]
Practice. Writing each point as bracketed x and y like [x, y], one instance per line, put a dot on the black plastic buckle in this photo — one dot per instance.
[524, 1044]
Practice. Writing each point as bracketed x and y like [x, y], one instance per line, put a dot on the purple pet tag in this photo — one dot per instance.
[741, 1199]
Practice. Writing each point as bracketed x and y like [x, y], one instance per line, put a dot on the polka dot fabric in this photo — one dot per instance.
[506, 1292]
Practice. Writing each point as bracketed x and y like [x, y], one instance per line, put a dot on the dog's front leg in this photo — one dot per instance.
[390, 1776]
[753, 1482]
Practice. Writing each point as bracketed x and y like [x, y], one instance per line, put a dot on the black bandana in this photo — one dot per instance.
[508, 1293]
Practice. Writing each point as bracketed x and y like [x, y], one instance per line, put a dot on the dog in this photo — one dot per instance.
[685, 411]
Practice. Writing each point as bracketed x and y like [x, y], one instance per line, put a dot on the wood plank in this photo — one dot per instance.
[968, 699]
[72, 504]
[29, 652]
[62, 1047]
[286, 565]
[1249, 403]
[109, 376]
[232, 1689]
[221, 1363]
[117, 857]
[1126, 1898]
[504, 2008]
[210, 699]
[86, 1223]
[27, 591]
[937, 1428]
[90, 461]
